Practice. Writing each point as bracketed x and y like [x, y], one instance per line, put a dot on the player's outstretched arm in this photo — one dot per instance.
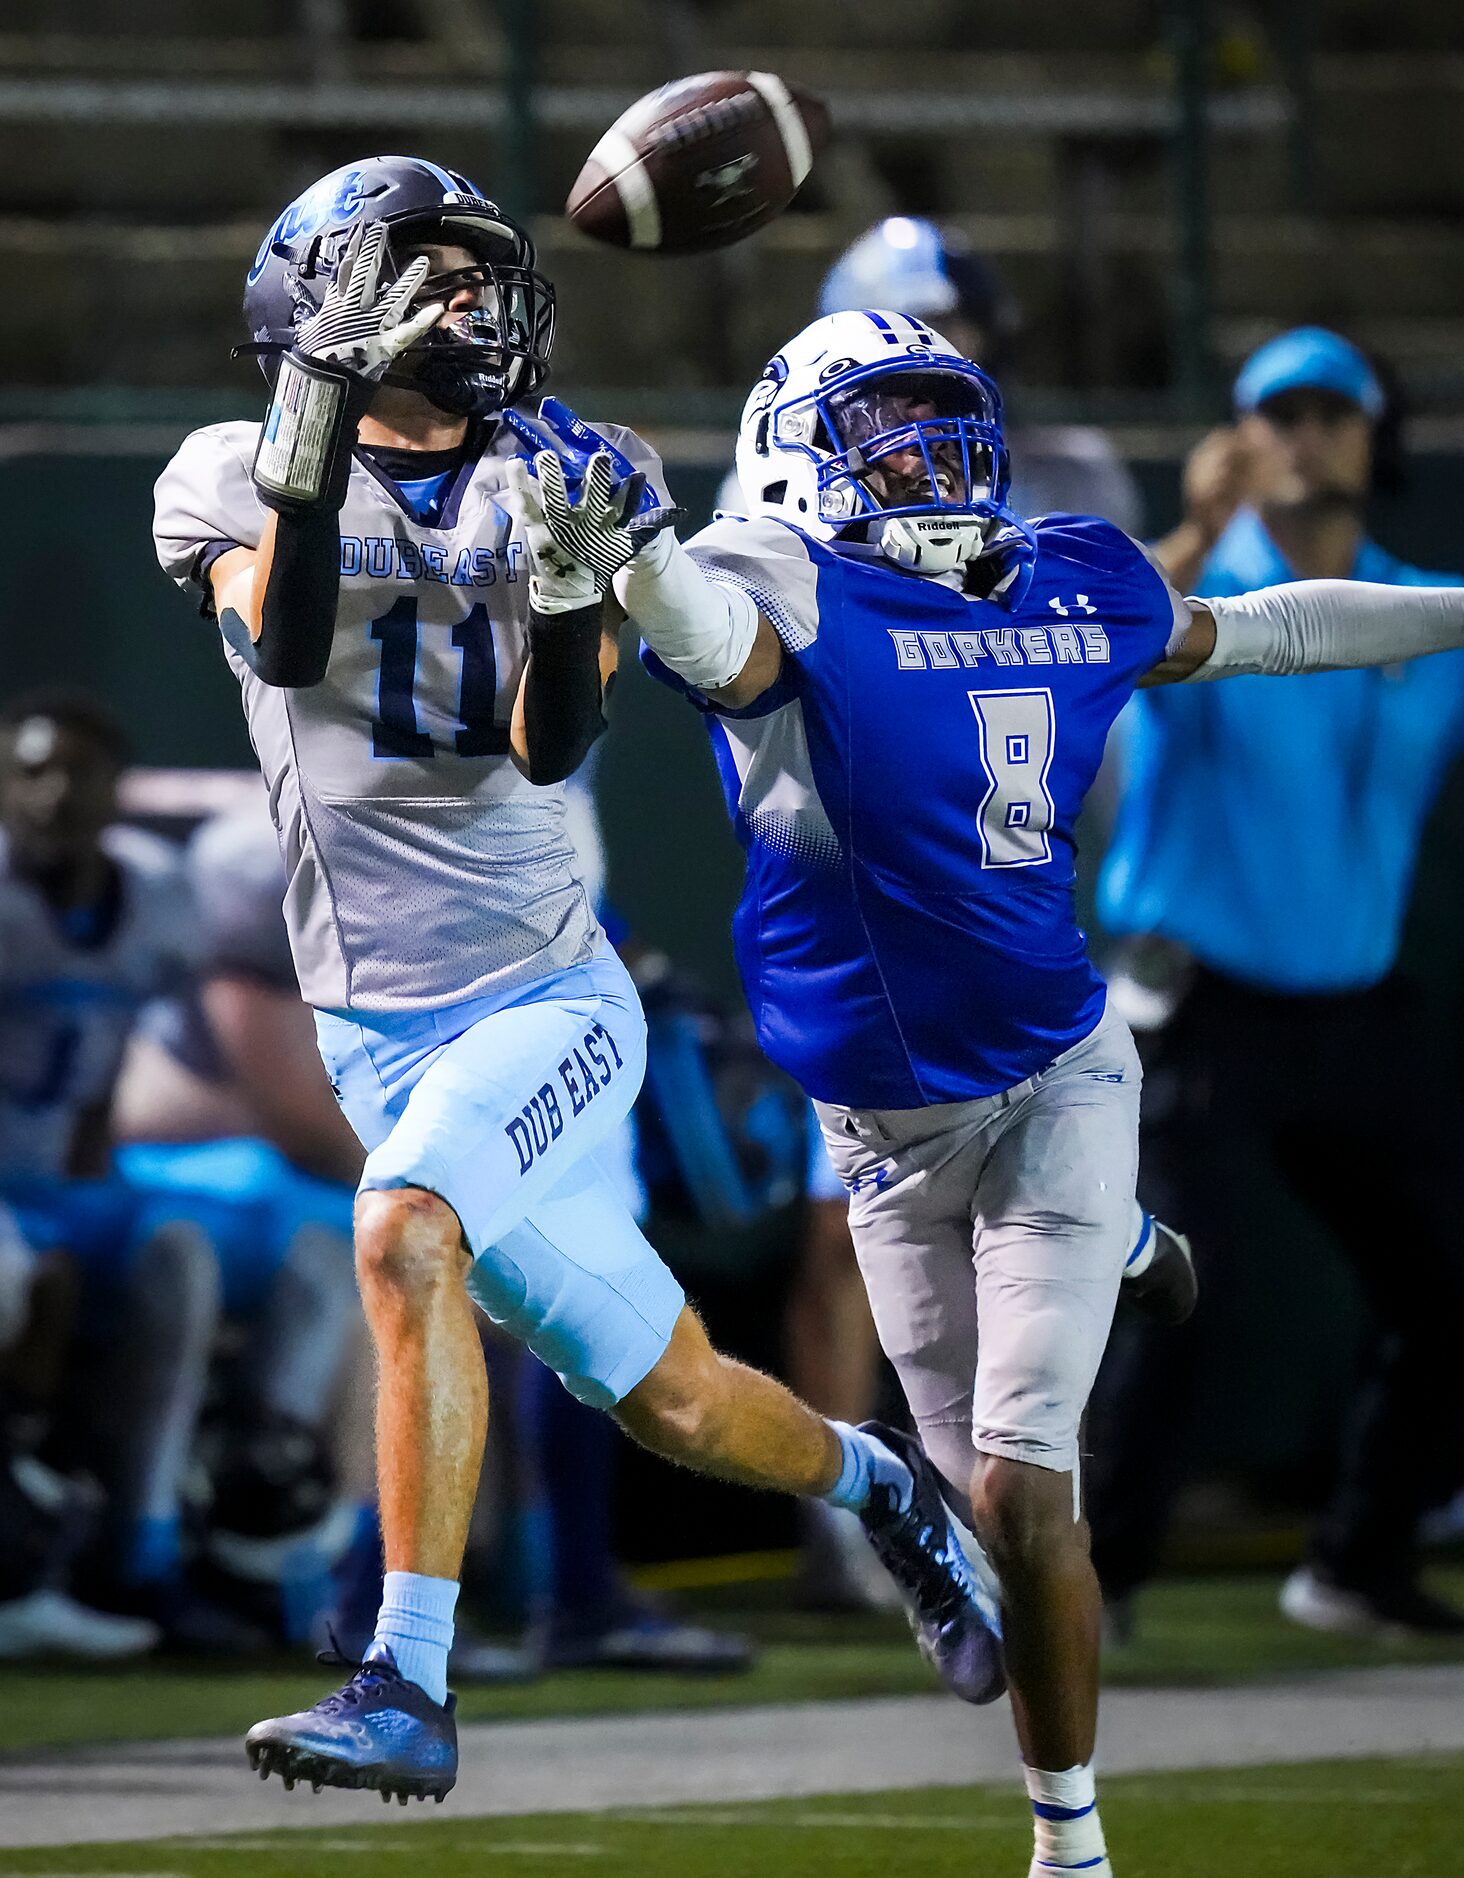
[1312, 626]
[709, 633]
[277, 603]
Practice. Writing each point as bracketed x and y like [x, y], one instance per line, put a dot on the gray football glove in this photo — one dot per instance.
[577, 548]
[325, 381]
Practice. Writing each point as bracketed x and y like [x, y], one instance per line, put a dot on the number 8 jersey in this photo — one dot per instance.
[907, 794]
[423, 868]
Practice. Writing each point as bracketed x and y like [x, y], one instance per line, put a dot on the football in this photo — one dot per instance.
[699, 163]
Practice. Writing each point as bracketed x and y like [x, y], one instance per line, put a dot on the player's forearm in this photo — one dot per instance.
[558, 713]
[1329, 625]
[289, 610]
[704, 630]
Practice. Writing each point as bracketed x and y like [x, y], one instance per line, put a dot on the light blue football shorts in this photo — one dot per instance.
[508, 1108]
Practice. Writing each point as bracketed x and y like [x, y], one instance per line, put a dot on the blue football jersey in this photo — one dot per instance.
[907, 794]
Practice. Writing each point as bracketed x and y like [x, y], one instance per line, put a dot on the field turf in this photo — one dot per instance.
[1191, 1631]
[1356, 1819]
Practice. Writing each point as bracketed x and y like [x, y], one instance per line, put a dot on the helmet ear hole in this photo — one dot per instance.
[776, 492]
[760, 437]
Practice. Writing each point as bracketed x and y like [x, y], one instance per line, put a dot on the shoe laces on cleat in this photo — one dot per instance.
[918, 1553]
[369, 1675]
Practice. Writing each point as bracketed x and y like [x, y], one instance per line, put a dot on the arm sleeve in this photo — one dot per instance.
[1328, 626]
[562, 691]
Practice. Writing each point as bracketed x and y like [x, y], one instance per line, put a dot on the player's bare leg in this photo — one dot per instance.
[713, 1413]
[431, 1423]
[1051, 1608]
[718, 1416]
[432, 1384]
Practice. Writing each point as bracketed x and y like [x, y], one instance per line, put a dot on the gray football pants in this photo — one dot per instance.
[992, 1235]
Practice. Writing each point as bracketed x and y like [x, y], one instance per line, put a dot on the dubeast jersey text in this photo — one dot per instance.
[907, 794]
[423, 868]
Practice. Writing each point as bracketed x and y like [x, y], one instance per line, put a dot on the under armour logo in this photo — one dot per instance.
[876, 1180]
[728, 180]
[1080, 605]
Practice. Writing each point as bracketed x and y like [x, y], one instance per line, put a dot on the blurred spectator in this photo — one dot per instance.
[226, 1106]
[94, 919]
[1261, 864]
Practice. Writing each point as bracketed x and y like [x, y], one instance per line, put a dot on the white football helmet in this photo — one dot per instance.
[871, 427]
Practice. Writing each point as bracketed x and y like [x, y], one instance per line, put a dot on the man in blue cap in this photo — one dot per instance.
[1261, 864]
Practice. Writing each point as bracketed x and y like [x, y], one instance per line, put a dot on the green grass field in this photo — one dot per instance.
[1195, 1630]
[1359, 1819]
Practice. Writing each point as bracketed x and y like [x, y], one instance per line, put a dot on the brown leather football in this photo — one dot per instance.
[699, 163]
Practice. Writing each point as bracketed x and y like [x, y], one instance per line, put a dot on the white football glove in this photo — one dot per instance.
[577, 548]
[358, 326]
[325, 381]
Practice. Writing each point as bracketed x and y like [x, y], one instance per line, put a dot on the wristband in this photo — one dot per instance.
[303, 460]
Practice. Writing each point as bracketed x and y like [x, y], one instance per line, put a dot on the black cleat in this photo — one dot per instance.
[1167, 1289]
[957, 1626]
[378, 1731]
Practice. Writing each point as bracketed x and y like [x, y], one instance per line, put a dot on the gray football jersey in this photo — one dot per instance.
[68, 1005]
[422, 868]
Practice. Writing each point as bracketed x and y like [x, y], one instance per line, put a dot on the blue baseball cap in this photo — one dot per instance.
[1309, 358]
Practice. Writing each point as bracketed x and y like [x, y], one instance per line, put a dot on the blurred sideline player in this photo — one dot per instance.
[416, 701]
[908, 691]
[222, 1095]
[1262, 864]
[94, 920]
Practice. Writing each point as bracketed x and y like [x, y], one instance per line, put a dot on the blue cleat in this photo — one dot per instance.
[957, 1626]
[378, 1731]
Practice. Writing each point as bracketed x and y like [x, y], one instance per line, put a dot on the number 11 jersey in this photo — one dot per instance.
[907, 795]
[423, 868]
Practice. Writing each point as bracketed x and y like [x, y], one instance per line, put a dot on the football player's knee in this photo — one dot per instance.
[1023, 1514]
[681, 1406]
[408, 1241]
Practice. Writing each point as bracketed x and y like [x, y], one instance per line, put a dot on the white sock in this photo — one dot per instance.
[1144, 1242]
[416, 1625]
[1069, 1834]
[867, 1462]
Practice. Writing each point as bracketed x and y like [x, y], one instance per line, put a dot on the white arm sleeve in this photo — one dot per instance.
[1327, 625]
[702, 629]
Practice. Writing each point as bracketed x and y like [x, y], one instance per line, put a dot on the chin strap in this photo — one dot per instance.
[932, 544]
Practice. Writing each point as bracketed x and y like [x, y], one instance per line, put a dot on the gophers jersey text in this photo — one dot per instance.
[907, 794]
